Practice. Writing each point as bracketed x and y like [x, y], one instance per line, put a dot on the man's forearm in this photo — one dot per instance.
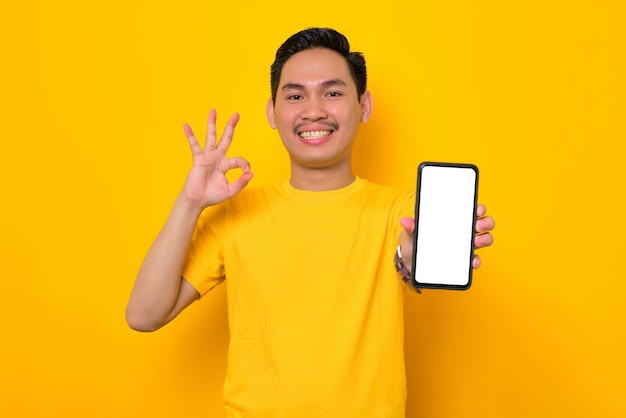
[158, 285]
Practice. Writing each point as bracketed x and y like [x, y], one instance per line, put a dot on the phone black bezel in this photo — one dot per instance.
[414, 281]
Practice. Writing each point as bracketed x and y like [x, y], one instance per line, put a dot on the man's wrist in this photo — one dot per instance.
[189, 206]
[404, 273]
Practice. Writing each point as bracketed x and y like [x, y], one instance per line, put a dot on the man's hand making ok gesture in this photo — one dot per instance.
[206, 183]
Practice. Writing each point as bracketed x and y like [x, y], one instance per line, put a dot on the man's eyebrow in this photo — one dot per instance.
[292, 86]
[334, 82]
[325, 84]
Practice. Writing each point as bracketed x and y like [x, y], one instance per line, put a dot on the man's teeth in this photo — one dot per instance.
[314, 134]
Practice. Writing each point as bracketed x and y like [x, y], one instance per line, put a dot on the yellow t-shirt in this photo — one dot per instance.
[314, 302]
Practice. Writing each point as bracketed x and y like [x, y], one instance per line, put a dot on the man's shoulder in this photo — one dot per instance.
[387, 192]
[254, 197]
[257, 192]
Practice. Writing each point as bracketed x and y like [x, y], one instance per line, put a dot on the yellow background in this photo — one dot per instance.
[93, 96]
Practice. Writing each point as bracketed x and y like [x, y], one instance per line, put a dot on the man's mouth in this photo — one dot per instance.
[314, 135]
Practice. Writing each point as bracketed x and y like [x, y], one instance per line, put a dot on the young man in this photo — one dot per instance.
[315, 304]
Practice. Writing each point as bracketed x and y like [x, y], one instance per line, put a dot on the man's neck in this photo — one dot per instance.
[321, 179]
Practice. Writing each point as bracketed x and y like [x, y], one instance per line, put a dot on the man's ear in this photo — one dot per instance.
[269, 111]
[367, 106]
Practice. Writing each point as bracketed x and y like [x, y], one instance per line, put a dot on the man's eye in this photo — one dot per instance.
[334, 94]
[294, 97]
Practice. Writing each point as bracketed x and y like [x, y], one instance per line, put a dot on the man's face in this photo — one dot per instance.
[317, 110]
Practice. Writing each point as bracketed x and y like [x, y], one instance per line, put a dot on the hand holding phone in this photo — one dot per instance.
[445, 213]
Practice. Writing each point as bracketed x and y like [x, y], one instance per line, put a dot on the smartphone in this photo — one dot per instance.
[445, 216]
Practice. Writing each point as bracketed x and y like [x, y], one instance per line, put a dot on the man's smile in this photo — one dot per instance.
[315, 137]
[315, 133]
[311, 135]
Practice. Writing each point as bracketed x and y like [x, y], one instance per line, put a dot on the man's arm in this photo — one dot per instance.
[160, 293]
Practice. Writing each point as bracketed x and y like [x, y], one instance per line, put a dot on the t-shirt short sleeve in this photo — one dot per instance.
[204, 263]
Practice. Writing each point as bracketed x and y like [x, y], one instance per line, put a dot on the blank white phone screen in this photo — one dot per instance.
[445, 225]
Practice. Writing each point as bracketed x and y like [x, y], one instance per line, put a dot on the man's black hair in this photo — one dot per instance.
[319, 38]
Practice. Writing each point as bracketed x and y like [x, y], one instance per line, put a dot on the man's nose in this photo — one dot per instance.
[314, 109]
